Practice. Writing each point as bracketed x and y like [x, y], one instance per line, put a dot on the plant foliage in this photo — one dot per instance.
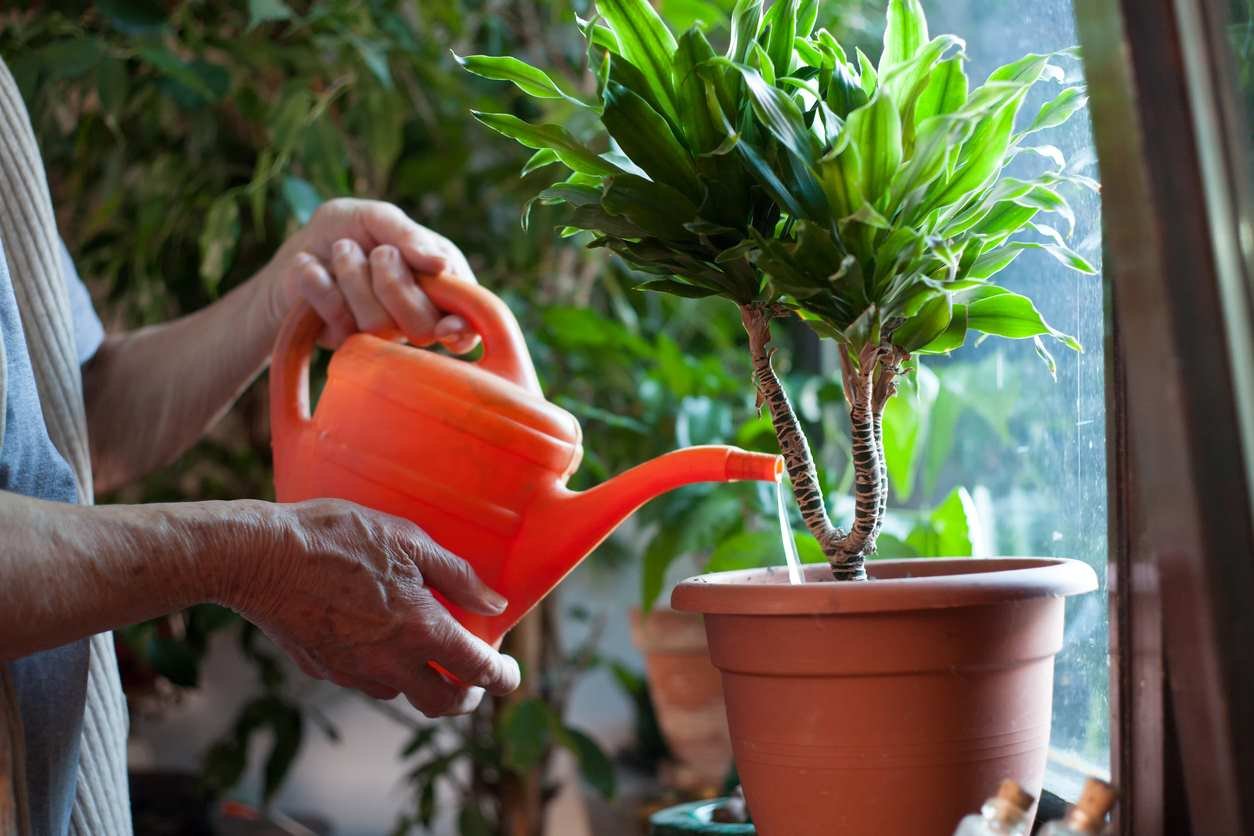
[869, 198]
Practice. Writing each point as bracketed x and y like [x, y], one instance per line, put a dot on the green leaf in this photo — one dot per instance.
[993, 262]
[700, 129]
[529, 79]
[179, 71]
[646, 42]
[953, 337]
[287, 729]
[904, 34]
[661, 552]
[906, 428]
[1059, 109]
[926, 326]
[746, 20]
[218, 238]
[266, 11]
[981, 157]
[594, 765]
[747, 550]
[841, 179]
[783, 32]
[947, 530]
[946, 90]
[301, 197]
[1012, 316]
[538, 160]
[375, 56]
[69, 58]
[647, 138]
[134, 16]
[676, 288]
[174, 660]
[779, 114]
[1059, 250]
[574, 154]
[525, 733]
[654, 207]
[876, 129]
[472, 822]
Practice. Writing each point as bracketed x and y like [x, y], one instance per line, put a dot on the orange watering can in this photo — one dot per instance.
[470, 451]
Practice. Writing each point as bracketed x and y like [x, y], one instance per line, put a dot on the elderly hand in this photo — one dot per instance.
[354, 263]
[348, 595]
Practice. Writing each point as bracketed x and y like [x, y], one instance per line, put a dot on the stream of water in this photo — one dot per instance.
[795, 575]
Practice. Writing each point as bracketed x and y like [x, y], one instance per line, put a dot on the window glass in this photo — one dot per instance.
[1031, 450]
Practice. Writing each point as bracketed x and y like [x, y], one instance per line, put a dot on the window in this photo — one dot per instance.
[1032, 451]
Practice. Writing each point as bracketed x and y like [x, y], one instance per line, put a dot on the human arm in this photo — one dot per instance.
[345, 591]
[152, 393]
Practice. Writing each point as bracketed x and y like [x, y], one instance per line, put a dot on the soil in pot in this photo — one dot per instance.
[888, 707]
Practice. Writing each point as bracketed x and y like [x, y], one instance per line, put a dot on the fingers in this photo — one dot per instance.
[314, 284]
[376, 294]
[435, 696]
[423, 250]
[456, 580]
[353, 275]
[393, 285]
[468, 657]
[455, 334]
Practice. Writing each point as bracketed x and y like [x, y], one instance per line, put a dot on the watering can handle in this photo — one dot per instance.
[504, 347]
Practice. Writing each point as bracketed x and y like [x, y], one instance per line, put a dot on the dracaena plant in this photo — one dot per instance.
[870, 199]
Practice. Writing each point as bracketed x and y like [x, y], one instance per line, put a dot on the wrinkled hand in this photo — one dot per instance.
[354, 263]
[347, 594]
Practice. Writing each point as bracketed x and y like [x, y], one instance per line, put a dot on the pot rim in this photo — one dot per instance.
[920, 583]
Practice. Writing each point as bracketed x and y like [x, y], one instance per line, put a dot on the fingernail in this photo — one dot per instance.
[341, 247]
[496, 601]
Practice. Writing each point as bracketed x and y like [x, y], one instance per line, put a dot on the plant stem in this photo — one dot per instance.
[868, 467]
[792, 439]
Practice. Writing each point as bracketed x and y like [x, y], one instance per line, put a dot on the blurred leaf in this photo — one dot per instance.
[947, 530]
[301, 197]
[702, 420]
[747, 550]
[375, 56]
[218, 240]
[174, 660]
[134, 16]
[526, 731]
[287, 727]
[265, 11]
[907, 432]
[594, 764]
[471, 821]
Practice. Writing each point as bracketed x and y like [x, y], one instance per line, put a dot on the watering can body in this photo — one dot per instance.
[470, 451]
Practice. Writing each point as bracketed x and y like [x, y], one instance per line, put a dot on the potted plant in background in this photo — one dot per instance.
[872, 201]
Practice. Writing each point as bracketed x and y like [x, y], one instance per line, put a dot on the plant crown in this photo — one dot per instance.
[872, 200]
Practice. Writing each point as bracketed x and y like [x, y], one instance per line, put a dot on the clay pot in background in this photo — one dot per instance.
[687, 695]
[890, 707]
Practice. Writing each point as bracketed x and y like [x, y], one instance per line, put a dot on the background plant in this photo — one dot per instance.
[786, 177]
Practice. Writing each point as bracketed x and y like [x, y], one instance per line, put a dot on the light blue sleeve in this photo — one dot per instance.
[88, 331]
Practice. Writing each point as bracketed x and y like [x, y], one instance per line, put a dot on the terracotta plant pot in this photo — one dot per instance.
[687, 694]
[891, 707]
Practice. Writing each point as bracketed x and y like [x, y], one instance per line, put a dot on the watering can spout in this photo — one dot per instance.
[574, 523]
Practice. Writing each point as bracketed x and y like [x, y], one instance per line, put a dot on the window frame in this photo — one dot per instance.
[1180, 412]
